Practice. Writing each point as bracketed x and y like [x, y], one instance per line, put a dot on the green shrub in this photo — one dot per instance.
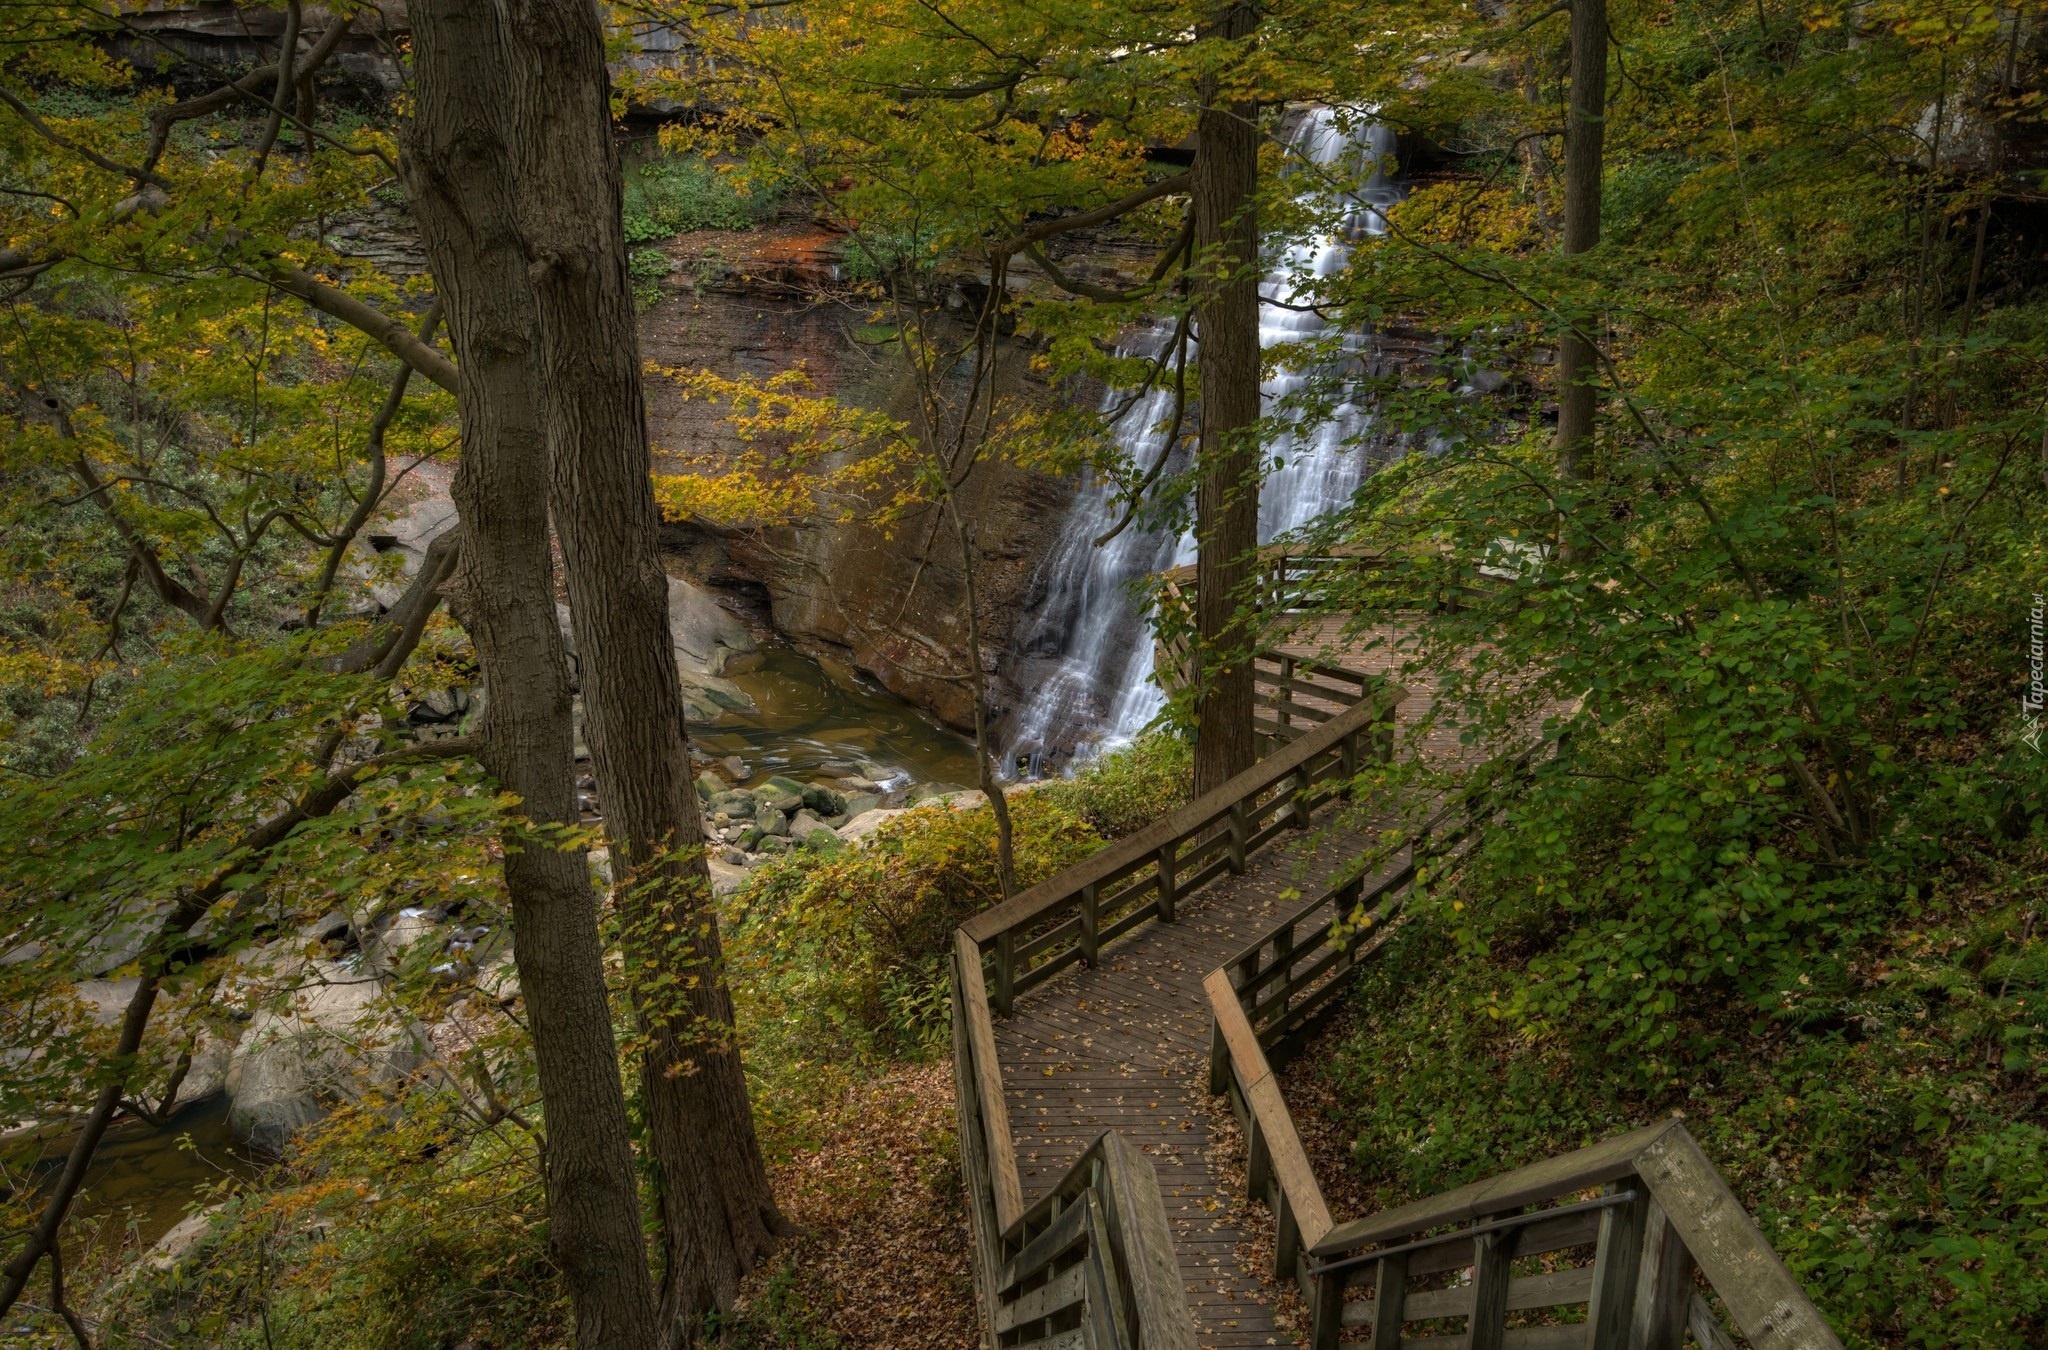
[848, 950]
[1125, 790]
[647, 266]
[667, 197]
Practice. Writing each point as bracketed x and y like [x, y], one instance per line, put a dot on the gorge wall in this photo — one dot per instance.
[886, 600]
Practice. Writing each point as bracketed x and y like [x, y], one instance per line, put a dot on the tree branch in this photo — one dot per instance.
[365, 317]
[49, 133]
[1046, 229]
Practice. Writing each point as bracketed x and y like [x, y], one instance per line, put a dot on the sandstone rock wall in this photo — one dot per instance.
[889, 601]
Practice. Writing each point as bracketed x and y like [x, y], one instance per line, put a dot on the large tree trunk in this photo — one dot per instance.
[1585, 132]
[718, 1211]
[458, 171]
[1227, 494]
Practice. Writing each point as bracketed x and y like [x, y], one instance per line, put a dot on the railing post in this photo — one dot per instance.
[1237, 837]
[1298, 809]
[1347, 758]
[1283, 956]
[1286, 1237]
[1168, 886]
[1663, 1286]
[1219, 1060]
[1006, 972]
[1491, 1267]
[1326, 1310]
[1090, 923]
[1246, 970]
[1286, 699]
[1611, 1310]
[1258, 1163]
[1390, 1298]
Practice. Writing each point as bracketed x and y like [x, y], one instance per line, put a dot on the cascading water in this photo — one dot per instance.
[1086, 663]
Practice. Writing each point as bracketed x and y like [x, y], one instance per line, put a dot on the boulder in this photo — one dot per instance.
[865, 824]
[779, 794]
[772, 822]
[737, 803]
[185, 1240]
[824, 800]
[803, 823]
[408, 536]
[859, 803]
[824, 839]
[385, 950]
[774, 843]
[707, 637]
[335, 1040]
[750, 838]
[725, 877]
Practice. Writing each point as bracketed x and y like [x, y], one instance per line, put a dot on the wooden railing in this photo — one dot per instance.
[1292, 580]
[1093, 1262]
[1538, 1242]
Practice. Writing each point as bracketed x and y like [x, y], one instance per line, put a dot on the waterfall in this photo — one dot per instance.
[1085, 663]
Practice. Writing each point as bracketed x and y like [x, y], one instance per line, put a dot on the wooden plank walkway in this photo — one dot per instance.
[1125, 1046]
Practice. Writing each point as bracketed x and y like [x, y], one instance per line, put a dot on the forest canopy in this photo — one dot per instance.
[1699, 356]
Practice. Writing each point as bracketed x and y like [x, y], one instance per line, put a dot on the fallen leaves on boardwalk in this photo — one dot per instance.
[883, 1258]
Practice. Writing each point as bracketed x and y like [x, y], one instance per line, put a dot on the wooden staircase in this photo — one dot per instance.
[1633, 1244]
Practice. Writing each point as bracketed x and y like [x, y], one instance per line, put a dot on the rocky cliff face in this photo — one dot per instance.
[888, 601]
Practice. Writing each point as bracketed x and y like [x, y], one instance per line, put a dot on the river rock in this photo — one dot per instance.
[780, 794]
[337, 1039]
[867, 822]
[725, 876]
[824, 800]
[824, 839]
[708, 639]
[774, 843]
[750, 839]
[737, 803]
[858, 803]
[772, 823]
[803, 823]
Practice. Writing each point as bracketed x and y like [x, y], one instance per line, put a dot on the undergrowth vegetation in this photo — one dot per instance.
[1779, 860]
[668, 195]
[413, 1219]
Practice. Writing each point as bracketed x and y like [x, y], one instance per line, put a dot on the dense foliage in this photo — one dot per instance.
[1781, 868]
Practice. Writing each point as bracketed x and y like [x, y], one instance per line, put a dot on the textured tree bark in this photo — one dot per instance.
[458, 168]
[1585, 131]
[1227, 493]
[718, 1212]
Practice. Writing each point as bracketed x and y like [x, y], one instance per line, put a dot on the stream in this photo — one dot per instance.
[816, 716]
[810, 717]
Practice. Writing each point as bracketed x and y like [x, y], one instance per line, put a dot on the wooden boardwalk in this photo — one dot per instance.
[1125, 1046]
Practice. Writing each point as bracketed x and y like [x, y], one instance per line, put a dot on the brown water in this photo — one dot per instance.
[143, 1179]
[811, 718]
[815, 716]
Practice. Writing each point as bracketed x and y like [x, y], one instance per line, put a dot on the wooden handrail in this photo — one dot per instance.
[1125, 1287]
[1667, 1211]
[1189, 823]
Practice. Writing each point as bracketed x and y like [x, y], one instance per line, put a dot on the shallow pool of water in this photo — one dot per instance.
[143, 1178]
[813, 716]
